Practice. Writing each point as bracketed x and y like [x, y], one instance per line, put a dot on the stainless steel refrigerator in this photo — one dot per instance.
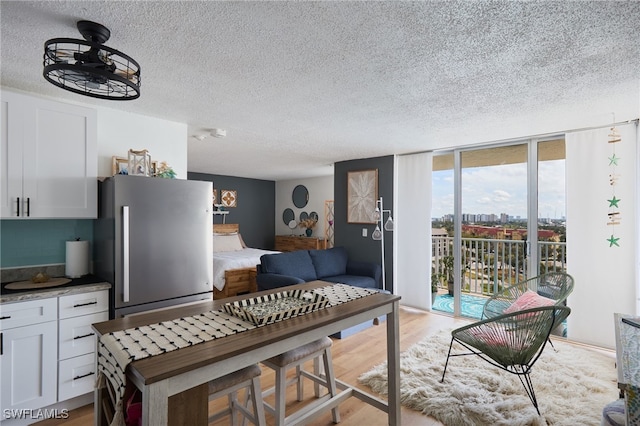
[153, 242]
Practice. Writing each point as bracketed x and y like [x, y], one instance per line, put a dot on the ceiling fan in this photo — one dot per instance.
[88, 67]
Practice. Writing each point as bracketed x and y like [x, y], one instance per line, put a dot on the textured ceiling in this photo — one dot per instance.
[301, 85]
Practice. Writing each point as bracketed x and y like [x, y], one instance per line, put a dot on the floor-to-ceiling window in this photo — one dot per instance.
[497, 218]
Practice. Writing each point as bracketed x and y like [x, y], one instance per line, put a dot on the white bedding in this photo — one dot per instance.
[245, 258]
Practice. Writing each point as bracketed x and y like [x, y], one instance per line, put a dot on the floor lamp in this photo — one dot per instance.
[378, 233]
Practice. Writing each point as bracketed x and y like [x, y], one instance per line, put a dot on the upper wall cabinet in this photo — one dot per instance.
[49, 159]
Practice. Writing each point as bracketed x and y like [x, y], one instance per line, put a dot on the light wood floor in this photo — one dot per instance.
[352, 356]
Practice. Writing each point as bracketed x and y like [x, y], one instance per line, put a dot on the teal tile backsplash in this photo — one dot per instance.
[39, 241]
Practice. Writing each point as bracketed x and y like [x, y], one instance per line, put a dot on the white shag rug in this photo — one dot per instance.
[572, 385]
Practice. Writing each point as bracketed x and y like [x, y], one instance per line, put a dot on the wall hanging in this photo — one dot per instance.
[329, 220]
[614, 212]
[229, 198]
[362, 193]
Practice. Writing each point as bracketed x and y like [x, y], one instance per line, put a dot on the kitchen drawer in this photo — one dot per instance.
[76, 337]
[84, 303]
[30, 312]
[76, 376]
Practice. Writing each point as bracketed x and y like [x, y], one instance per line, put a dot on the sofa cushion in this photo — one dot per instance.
[354, 280]
[330, 262]
[294, 263]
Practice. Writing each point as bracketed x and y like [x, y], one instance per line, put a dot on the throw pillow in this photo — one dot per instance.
[529, 300]
[496, 335]
[226, 242]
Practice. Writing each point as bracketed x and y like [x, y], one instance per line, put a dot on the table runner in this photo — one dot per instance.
[117, 349]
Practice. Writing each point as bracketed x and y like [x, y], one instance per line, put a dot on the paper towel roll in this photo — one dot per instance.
[77, 261]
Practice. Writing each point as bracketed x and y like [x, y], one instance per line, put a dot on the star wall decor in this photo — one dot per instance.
[613, 241]
[613, 160]
[614, 202]
[613, 216]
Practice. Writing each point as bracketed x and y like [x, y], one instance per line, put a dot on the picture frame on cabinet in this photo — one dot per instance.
[119, 166]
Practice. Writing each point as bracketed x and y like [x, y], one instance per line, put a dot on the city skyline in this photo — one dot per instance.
[502, 189]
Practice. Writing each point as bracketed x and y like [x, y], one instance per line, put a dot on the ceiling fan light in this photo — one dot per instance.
[87, 67]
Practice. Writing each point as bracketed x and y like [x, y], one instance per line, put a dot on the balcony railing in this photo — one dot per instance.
[488, 264]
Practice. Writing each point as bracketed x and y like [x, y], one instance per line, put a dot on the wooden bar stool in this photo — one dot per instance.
[320, 349]
[229, 386]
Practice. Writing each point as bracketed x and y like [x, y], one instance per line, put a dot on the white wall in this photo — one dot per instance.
[120, 131]
[320, 190]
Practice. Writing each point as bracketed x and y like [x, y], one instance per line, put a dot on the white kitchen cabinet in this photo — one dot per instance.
[49, 159]
[76, 337]
[77, 376]
[47, 349]
[77, 341]
[29, 332]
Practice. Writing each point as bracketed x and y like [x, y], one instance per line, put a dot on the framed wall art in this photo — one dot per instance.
[229, 198]
[362, 193]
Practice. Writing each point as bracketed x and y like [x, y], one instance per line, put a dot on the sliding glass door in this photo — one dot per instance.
[498, 218]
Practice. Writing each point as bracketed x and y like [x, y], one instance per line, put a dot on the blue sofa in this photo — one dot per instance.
[333, 265]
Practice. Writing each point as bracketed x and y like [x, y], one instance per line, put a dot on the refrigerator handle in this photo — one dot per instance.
[125, 253]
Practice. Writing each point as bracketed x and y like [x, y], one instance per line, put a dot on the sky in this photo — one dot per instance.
[502, 189]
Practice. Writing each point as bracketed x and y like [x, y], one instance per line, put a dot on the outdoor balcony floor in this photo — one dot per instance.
[471, 306]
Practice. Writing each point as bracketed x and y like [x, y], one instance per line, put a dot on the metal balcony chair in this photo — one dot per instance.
[552, 285]
[512, 342]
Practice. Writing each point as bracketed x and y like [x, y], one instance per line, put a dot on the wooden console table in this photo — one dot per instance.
[174, 385]
[294, 242]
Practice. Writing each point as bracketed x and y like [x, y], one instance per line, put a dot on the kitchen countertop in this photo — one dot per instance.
[77, 285]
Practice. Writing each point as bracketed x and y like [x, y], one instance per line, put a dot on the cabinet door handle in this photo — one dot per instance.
[28, 206]
[18, 213]
[83, 336]
[79, 305]
[5, 317]
[1, 344]
[84, 375]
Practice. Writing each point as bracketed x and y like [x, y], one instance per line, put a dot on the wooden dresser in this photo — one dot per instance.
[293, 242]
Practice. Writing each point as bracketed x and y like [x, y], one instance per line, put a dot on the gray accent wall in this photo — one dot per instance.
[255, 211]
[349, 235]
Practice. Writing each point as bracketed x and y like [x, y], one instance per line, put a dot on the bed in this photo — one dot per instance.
[234, 264]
